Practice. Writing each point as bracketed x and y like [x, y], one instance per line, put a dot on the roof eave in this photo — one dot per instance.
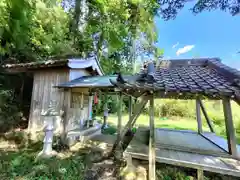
[76, 63]
[71, 63]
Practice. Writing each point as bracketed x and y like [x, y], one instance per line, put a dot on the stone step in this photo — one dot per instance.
[83, 132]
[90, 136]
[83, 135]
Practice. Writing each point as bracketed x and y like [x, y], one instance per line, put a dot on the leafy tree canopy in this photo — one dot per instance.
[169, 8]
[117, 31]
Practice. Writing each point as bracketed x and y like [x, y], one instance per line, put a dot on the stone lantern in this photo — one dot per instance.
[49, 120]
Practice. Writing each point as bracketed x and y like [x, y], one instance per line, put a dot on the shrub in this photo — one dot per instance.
[175, 108]
[172, 173]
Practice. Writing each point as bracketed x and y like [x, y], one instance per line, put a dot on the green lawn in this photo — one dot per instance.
[172, 123]
[180, 123]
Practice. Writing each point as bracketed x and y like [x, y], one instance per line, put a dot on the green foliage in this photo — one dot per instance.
[22, 163]
[32, 29]
[172, 173]
[109, 130]
[169, 9]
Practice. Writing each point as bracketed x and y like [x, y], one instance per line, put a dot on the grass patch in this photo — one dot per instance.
[171, 123]
[19, 162]
[109, 130]
[22, 165]
[178, 123]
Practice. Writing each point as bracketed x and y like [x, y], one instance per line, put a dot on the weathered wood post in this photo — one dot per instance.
[119, 116]
[90, 101]
[81, 124]
[198, 116]
[49, 118]
[118, 148]
[232, 145]
[105, 112]
[151, 140]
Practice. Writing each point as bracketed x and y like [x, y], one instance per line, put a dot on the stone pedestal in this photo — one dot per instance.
[49, 120]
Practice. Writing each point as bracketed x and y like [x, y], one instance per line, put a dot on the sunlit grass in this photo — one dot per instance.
[172, 123]
[181, 123]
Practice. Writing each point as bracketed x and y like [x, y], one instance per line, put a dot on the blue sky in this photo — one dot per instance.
[208, 34]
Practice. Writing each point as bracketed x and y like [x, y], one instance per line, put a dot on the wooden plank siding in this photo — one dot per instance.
[43, 92]
[68, 101]
[74, 110]
[74, 101]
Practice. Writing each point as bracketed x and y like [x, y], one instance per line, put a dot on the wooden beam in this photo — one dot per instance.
[230, 131]
[136, 112]
[198, 116]
[151, 141]
[119, 125]
[210, 125]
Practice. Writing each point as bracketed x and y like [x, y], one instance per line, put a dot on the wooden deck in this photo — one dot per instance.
[220, 142]
[187, 149]
[172, 148]
[188, 141]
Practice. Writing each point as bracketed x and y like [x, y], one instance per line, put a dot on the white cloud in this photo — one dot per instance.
[185, 49]
[167, 57]
[175, 45]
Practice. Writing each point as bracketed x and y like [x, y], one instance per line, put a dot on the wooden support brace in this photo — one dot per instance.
[210, 125]
[198, 115]
[152, 152]
[136, 112]
[232, 145]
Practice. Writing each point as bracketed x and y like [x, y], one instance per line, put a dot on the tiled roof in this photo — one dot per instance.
[208, 77]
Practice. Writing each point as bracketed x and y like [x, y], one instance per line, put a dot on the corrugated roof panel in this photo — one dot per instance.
[89, 81]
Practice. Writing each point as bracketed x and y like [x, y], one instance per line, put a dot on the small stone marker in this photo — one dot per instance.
[49, 118]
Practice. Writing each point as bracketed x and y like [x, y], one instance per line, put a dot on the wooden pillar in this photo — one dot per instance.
[105, 114]
[200, 175]
[119, 126]
[230, 131]
[90, 101]
[198, 116]
[151, 141]
[130, 107]
[81, 124]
